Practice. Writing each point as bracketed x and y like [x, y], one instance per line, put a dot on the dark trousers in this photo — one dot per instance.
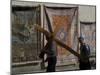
[51, 64]
[84, 65]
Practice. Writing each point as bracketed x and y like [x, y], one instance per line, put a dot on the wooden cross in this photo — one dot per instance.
[46, 33]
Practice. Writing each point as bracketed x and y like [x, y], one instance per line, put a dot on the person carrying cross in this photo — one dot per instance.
[84, 63]
[50, 50]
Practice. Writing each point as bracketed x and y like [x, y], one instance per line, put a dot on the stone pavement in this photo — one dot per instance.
[37, 69]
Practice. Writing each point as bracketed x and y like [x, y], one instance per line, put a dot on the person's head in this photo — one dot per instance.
[81, 39]
[49, 38]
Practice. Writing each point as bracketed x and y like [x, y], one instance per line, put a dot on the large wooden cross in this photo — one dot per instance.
[46, 33]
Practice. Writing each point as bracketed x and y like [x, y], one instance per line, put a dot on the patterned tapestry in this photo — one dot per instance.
[25, 41]
[88, 31]
[63, 22]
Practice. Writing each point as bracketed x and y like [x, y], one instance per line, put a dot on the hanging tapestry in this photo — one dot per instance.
[25, 42]
[63, 23]
[88, 31]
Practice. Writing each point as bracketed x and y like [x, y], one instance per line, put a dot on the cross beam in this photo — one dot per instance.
[46, 33]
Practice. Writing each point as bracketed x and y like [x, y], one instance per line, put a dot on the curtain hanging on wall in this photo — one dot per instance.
[25, 41]
[62, 21]
[88, 31]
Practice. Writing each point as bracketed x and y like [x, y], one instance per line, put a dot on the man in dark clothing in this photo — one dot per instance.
[84, 63]
[50, 51]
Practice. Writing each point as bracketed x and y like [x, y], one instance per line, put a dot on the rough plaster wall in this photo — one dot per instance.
[87, 13]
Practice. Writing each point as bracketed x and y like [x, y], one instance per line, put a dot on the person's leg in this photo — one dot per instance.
[53, 67]
[84, 66]
[87, 65]
[51, 64]
[81, 65]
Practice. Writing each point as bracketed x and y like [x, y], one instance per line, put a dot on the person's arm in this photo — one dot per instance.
[44, 50]
[86, 50]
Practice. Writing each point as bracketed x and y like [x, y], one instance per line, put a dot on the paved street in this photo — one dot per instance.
[36, 69]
